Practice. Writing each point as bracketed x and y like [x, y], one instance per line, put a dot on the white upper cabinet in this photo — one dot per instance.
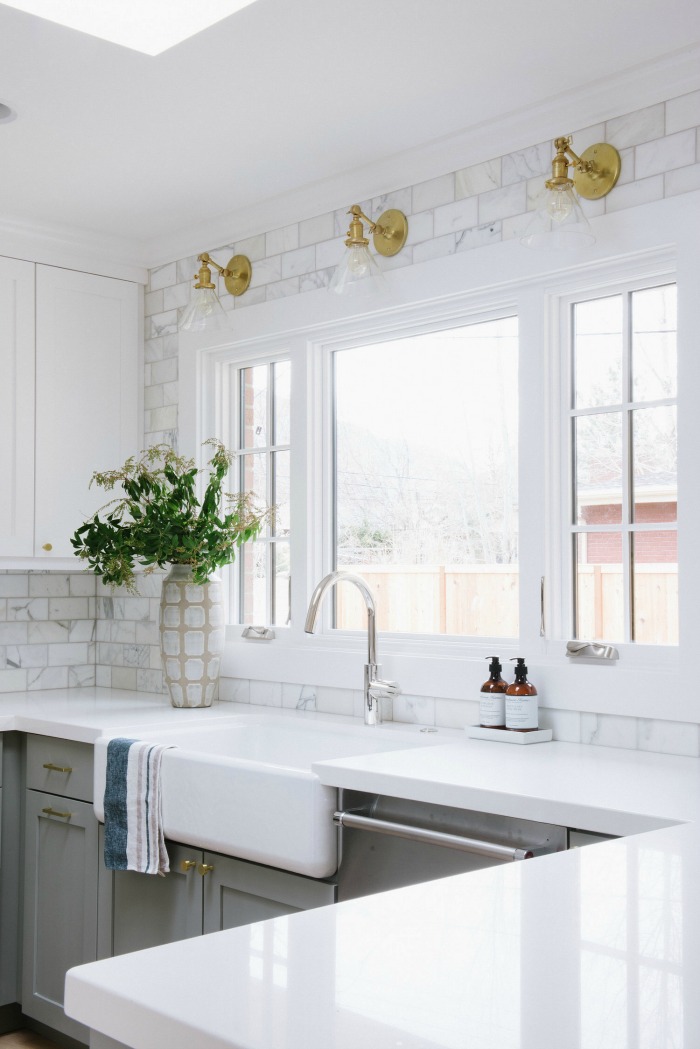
[16, 407]
[70, 406]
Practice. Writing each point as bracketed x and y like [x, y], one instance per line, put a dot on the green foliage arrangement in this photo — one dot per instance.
[159, 521]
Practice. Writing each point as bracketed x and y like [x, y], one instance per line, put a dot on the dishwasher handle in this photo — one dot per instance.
[355, 821]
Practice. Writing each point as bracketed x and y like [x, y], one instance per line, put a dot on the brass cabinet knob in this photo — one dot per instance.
[47, 546]
[187, 865]
[205, 868]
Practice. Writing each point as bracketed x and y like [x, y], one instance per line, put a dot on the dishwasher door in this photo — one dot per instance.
[372, 860]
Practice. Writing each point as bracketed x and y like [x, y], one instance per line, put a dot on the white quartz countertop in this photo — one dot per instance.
[590, 949]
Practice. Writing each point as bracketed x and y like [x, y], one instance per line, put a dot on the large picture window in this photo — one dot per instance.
[622, 412]
[426, 480]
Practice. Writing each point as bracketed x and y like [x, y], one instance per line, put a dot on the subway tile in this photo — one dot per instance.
[82, 584]
[299, 697]
[313, 230]
[668, 737]
[51, 632]
[281, 240]
[153, 302]
[329, 253]
[414, 710]
[609, 730]
[565, 724]
[82, 630]
[400, 199]
[478, 178]
[67, 655]
[317, 280]
[163, 371]
[434, 193]
[683, 112]
[14, 585]
[456, 713]
[253, 297]
[501, 203]
[47, 677]
[252, 247]
[49, 584]
[68, 608]
[103, 677]
[163, 276]
[334, 700]
[267, 271]
[633, 128]
[14, 680]
[683, 180]
[234, 690]
[479, 236]
[266, 693]
[26, 655]
[148, 680]
[124, 677]
[526, 163]
[13, 633]
[437, 248]
[30, 609]
[420, 227]
[161, 324]
[161, 418]
[673, 151]
[460, 215]
[153, 397]
[82, 676]
[176, 297]
[282, 289]
[640, 192]
[294, 263]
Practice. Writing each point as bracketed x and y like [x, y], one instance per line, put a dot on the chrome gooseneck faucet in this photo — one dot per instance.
[375, 688]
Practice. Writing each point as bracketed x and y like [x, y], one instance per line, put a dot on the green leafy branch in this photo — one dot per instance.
[159, 519]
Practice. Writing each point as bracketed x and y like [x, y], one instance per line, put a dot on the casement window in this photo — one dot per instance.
[621, 534]
[258, 398]
[425, 480]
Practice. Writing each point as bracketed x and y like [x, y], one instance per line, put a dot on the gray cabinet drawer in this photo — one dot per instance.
[60, 766]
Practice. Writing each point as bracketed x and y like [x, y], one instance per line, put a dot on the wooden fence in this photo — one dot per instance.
[482, 601]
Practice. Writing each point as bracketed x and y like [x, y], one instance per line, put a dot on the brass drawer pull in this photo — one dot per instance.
[56, 768]
[187, 865]
[54, 812]
[205, 868]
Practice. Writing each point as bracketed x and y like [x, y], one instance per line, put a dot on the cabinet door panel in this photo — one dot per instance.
[16, 408]
[86, 382]
[237, 893]
[149, 911]
[60, 903]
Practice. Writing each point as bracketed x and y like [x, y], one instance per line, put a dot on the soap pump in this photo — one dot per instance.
[492, 697]
[521, 701]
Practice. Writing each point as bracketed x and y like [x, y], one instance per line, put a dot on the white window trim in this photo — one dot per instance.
[618, 278]
[430, 293]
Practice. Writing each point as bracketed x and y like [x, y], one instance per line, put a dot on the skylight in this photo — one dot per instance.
[150, 26]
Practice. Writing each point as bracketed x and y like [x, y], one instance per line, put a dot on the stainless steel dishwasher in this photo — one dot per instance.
[386, 843]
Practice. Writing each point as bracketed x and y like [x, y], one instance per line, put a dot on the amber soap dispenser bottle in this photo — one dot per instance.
[492, 697]
[521, 701]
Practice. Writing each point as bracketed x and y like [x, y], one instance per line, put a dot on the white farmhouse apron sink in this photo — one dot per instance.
[244, 786]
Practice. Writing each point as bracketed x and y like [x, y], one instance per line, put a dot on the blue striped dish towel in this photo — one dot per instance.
[134, 839]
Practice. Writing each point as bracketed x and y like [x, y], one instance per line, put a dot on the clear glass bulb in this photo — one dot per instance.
[559, 204]
[205, 312]
[359, 261]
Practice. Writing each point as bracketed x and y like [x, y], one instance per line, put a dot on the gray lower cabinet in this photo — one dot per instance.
[204, 892]
[60, 903]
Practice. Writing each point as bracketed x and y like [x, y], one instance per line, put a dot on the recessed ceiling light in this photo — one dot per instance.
[7, 113]
[150, 26]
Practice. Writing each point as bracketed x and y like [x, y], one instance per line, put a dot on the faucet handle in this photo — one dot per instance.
[380, 689]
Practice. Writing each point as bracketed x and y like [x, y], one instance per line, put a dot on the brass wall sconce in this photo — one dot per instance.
[205, 312]
[389, 235]
[560, 222]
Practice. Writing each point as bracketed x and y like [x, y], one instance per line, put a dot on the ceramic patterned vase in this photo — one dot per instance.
[191, 637]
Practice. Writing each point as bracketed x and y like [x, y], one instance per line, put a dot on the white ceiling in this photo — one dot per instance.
[284, 95]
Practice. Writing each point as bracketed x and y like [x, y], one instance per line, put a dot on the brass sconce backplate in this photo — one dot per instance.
[391, 233]
[237, 275]
[603, 163]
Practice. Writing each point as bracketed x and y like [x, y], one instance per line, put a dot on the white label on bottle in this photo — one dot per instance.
[521, 712]
[492, 709]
